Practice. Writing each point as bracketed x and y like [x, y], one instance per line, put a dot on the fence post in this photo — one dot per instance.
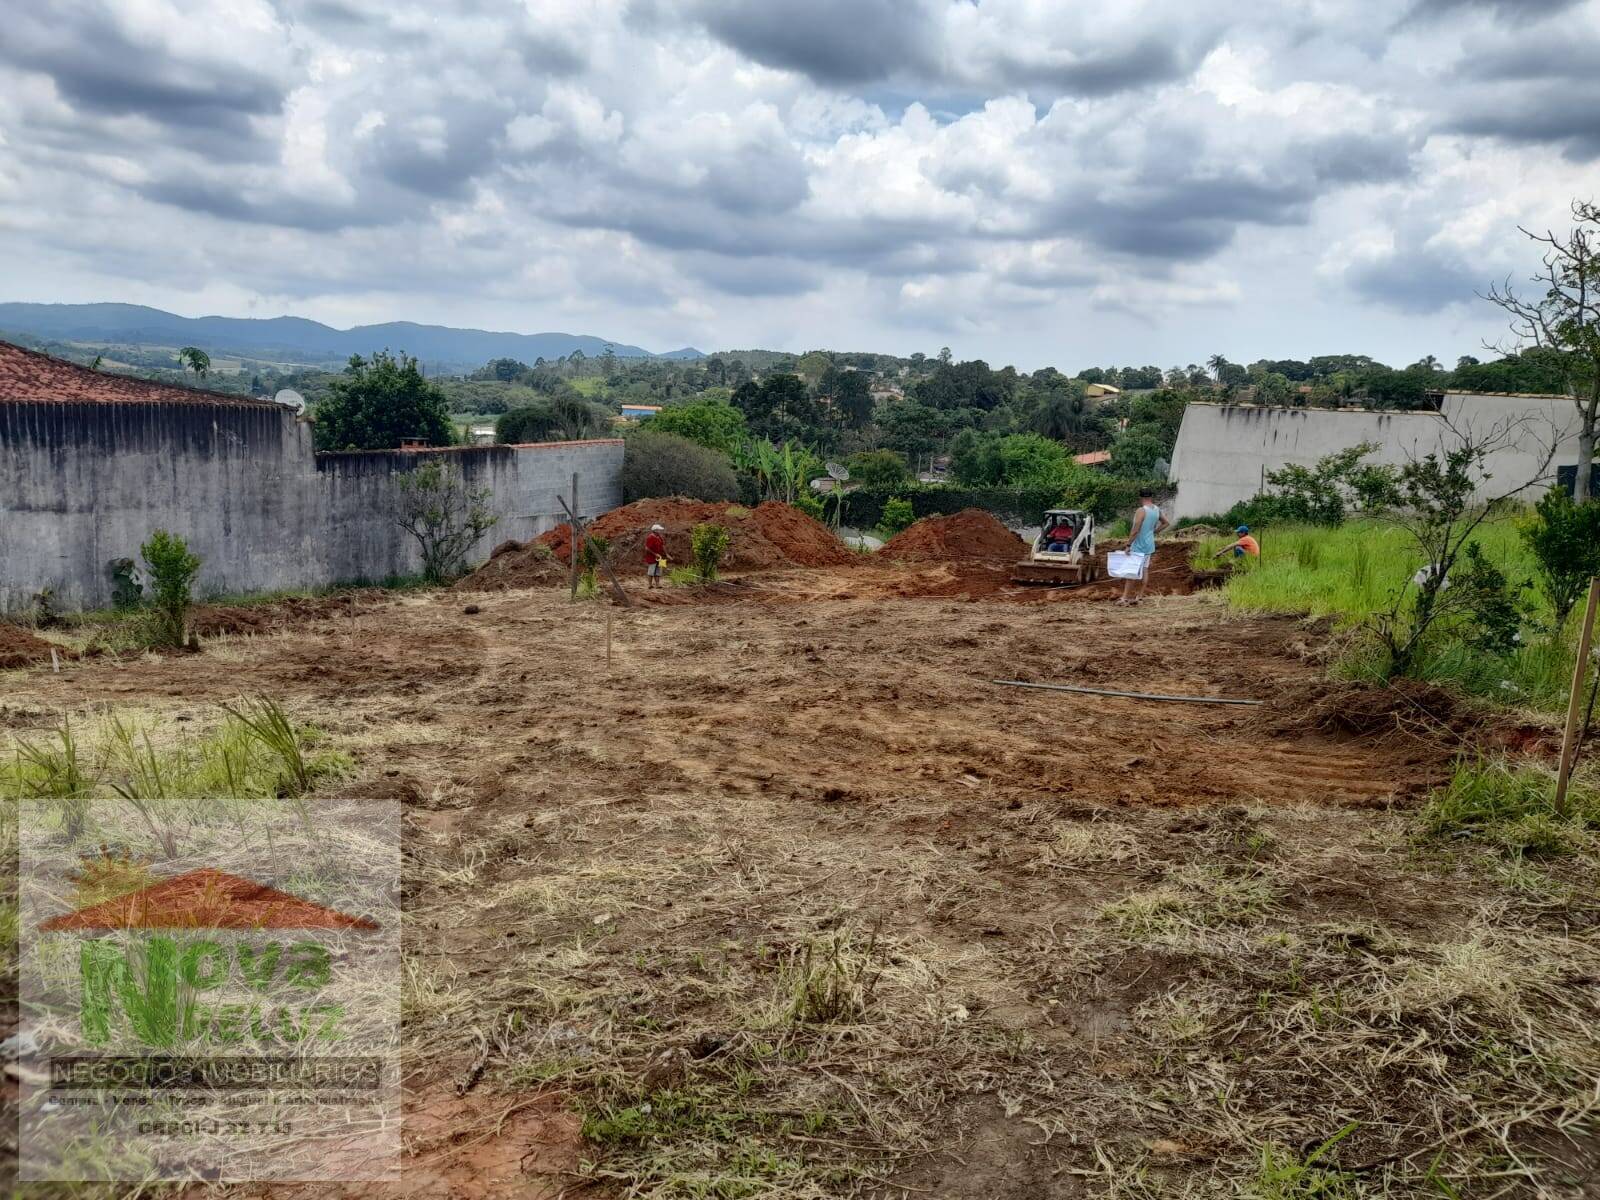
[1574, 701]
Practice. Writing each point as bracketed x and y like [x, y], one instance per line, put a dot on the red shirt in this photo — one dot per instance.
[655, 547]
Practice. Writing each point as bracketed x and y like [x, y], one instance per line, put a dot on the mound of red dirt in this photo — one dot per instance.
[20, 648]
[767, 537]
[970, 533]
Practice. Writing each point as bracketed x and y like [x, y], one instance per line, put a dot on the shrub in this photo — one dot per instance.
[664, 464]
[707, 542]
[566, 418]
[1565, 540]
[172, 571]
[1493, 621]
[447, 519]
[897, 515]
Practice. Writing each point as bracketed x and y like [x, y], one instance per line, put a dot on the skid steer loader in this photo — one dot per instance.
[1063, 553]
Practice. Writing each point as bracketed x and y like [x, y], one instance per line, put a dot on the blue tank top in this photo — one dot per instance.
[1145, 543]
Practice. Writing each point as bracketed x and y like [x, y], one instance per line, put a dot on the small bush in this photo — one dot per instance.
[897, 515]
[707, 543]
[664, 464]
[1492, 619]
[172, 572]
[1565, 540]
[1512, 809]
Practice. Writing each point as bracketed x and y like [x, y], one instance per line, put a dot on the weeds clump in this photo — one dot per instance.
[830, 981]
[257, 752]
[1512, 809]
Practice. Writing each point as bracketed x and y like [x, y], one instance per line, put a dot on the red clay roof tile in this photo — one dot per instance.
[29, 375]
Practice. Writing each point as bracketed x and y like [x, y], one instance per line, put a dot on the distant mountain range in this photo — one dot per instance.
[295, 339]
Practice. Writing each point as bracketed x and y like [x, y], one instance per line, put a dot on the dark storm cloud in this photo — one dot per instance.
[438, 152]
[228, 200]
[1182, 220]
[1151, 60]
[1563, 115]
[1352, 158]
[96, 65]
[1505, 9]
[1415, 280]
[832, 41]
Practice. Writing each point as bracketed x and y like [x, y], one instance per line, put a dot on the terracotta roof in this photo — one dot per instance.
[29, 375]
[1092, 458]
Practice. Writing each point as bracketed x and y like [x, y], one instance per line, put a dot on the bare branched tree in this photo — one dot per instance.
[445, 516]
[1440, 502]
[1565, 319]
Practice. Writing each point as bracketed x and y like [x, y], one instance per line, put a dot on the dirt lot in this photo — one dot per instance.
[792, 900]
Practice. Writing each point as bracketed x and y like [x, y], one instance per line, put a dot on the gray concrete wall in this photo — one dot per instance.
[82, 484]
[1224, 451]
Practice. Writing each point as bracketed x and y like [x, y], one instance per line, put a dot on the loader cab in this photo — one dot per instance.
[1064, 530]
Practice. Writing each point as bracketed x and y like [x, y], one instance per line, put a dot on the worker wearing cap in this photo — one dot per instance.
[1244, 545]
[655, 555]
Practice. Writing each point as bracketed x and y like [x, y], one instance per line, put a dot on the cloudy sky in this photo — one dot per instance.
[1022, 180]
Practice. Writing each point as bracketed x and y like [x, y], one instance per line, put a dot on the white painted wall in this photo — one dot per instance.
[1225, 450]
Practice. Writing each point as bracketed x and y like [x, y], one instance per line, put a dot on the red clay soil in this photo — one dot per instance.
[293, 612]
[970, 533]
[770, 536]
[19, 648]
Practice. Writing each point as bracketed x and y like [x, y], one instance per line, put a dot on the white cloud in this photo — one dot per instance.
[1030, 181]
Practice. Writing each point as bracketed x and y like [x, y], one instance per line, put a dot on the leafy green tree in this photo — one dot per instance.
[376, 403]
[1136, 453]
[717, 425]
[195, 359]
[1565, 540]
[878, 469]
[848, 395]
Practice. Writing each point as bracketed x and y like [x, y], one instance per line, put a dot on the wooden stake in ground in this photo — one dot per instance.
[608, 638]
[578, 523]
[575, 536]
[1579, 669]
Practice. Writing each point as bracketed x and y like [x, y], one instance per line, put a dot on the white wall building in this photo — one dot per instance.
[1224, 451]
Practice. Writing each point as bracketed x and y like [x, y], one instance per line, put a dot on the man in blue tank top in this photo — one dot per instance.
[1147, 522]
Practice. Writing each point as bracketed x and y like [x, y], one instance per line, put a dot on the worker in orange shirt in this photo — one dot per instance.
[1245, 544]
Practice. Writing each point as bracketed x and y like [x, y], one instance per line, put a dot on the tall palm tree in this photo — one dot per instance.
[1216, 362]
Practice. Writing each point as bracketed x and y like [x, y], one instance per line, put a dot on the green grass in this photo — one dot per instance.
[1511, 809]
[255, 751]
[1349, 572]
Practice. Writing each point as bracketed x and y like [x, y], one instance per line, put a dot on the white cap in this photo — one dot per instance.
[657, 529]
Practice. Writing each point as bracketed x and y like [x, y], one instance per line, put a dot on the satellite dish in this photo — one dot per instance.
[290, 398]
[838, 470]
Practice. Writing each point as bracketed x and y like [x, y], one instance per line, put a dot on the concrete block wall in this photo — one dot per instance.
[1224, 452]
[82, 484]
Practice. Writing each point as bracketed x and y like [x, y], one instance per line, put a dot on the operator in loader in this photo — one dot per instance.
[1059, 539]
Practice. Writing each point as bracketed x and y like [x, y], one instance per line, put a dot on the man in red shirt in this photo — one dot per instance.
[655, 555]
